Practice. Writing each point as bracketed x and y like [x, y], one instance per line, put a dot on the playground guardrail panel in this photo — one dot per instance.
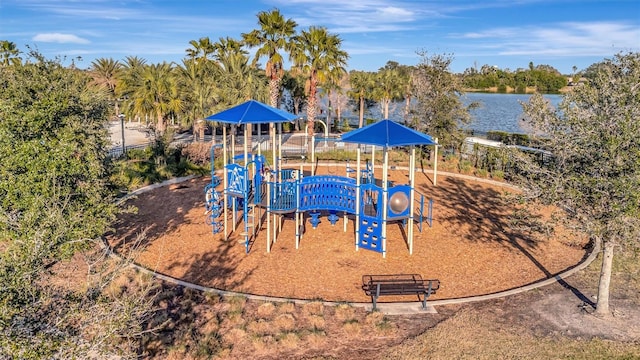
[327, 192]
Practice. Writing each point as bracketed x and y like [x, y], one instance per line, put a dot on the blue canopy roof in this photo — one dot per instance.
[387, 133]
[252, 112]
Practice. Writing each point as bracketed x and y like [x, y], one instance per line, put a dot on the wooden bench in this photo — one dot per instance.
[399, 284]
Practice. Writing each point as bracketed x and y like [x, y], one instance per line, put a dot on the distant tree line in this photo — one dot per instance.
[542, 78]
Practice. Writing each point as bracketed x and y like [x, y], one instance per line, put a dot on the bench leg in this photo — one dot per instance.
[426, 295]
[375, 297]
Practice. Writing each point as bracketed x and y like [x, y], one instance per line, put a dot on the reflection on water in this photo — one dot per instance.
[500, 111]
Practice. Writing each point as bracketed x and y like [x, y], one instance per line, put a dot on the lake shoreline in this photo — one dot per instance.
[510, 90]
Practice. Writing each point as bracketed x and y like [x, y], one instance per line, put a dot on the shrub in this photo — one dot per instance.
[465, 166]
[198, 153]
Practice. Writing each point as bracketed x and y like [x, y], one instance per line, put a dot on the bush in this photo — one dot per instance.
[140, 154]
[198, 153]
[450, 158]
[465, 166]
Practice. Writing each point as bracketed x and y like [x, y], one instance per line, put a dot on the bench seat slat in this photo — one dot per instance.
[399, 284]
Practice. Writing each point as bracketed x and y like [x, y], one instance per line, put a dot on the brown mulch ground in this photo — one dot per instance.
[472, 248]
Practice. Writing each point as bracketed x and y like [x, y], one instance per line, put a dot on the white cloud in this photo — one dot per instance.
[362, 16]
[396, 13]
[567, 39]
[60, 38]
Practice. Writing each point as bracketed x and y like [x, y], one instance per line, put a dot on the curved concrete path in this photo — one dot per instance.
[393, 308]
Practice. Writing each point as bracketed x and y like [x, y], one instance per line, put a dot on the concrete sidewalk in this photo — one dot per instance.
[134, 133]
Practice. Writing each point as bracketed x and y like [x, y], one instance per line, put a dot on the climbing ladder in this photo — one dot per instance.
[249, 218]
[370, 234]
[213, 206]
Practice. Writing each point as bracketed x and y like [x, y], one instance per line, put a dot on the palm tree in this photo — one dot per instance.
[158, 93]
[105, 74]
[339, 98]
[361, 88]
[9, 53]
[331, 87]
[404, 72]
[197, 80]
[200, 49]
[402, 79]
[274, 35]
[294, 84]
[198, 77]
[315, 53]
[129, 79]
[239, 81]
[388, 88]
[227, 45]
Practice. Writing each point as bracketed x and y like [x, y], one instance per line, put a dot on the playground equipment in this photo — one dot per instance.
[250, 185]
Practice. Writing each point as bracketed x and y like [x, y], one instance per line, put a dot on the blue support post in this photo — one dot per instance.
[315, 218]
[333, 218]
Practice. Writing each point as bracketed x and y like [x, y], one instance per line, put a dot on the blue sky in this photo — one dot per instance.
[505, 33]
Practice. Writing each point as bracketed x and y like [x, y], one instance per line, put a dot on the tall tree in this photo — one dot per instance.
[388, 88]
[294, 85]
[595, 177]
[239, 81]
[197, 81]
[404, 72]
[158, 93]
[54, 201]
[438, 110]
[273, 36]
[130, 78]
[105, 73]
[226, 46]
[331, 87]
[9, 53]
[200, 50]
[339, 98]
[314, 54]
[198, 77]
[362, 85]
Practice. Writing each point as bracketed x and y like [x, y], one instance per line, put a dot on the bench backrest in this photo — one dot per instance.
[373, 279]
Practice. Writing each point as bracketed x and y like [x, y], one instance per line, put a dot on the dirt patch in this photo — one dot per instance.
[553, 322]
[547, 323]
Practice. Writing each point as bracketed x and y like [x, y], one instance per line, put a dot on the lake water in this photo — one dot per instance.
[499, 112]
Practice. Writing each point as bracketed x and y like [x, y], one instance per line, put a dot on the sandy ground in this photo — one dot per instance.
[473, 247]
